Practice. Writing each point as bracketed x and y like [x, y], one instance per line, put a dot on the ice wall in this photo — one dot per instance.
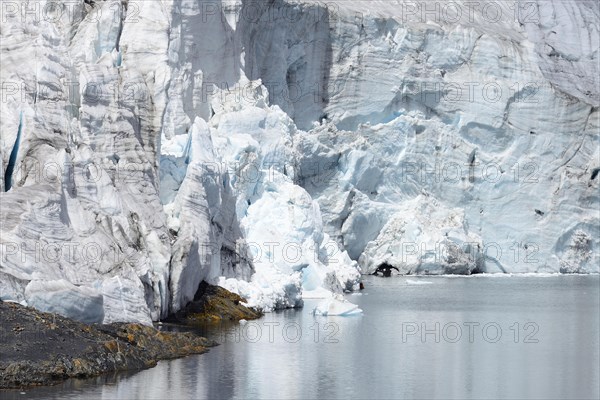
[275, 146]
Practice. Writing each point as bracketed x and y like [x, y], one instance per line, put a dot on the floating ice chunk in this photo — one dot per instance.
[336, 305]
[417, 282]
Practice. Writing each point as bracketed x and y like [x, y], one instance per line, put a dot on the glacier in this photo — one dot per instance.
[283, 148]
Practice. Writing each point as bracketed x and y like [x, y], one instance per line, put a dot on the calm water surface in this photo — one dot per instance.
[419, 337]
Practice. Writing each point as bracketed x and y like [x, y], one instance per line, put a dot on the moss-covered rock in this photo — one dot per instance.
[214, 304]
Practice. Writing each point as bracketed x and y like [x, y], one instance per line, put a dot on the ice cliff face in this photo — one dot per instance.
[278, 148]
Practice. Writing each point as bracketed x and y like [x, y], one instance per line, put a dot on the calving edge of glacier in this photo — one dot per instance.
[281, 149]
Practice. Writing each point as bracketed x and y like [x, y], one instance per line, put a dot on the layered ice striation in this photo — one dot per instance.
[281, 148]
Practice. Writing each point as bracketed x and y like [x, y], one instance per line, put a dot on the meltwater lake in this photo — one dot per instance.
[445, 337]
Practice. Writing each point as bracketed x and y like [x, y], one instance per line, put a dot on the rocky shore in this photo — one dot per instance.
[40, 348]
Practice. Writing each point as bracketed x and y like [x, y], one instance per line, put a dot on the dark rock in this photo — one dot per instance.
[385, 269]
[85, 350]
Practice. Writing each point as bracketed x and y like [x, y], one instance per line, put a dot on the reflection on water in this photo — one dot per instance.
[457, 337]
